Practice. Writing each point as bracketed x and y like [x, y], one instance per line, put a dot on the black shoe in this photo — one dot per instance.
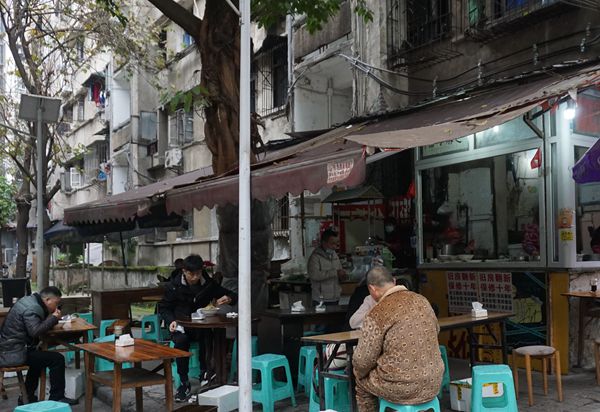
[207, 378]
[32, 399]
[68, 401]
[183, 392]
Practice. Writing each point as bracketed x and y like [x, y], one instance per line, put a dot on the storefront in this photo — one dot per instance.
[502, 222]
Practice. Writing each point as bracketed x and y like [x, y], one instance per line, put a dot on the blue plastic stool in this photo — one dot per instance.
[270, 390]
[433, 404]
[104, 324]
[154, 334]
[194, 364]
[44, 406]
[306, 364]
[336, 394]
[485, 374]
[234, 363]
[446, 376]
[102, 365]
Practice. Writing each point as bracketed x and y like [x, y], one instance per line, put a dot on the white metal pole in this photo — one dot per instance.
[244, 272]
[39, 233]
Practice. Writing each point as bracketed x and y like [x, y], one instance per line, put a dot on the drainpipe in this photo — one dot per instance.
[329, 102]
[289, 28]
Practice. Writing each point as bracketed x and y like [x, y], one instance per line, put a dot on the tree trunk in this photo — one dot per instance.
[219, 44]
[23, 201]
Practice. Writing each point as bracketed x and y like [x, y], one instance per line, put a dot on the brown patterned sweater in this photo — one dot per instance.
[398, 352]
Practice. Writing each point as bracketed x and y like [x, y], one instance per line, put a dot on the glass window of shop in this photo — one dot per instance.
[587, 206]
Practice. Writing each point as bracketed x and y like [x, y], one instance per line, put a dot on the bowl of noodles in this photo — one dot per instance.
[209, 310]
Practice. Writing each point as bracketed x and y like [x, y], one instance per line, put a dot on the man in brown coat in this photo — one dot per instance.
[398, 356]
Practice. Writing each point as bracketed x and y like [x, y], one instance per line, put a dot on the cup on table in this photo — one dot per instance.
[118, 330]
[594, 285]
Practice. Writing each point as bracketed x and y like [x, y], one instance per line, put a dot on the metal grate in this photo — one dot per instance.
[269, 84]
[281, 217]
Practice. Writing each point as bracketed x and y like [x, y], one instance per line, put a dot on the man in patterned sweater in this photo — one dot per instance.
[398, 356]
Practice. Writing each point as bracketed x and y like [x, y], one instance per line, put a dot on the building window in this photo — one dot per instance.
[427, 21]
[181, 128]
[95, 155]
[281, 218]
[81, 109]
[188, 227]
[270, 83]
[162, 43]
[188, 40]
[79, 49]
[72, 178]
[148, 126]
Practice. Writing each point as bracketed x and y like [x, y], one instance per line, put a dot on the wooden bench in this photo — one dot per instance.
[21, 382]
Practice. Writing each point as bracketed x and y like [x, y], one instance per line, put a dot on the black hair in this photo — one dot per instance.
[193, 263]
[328, 234]
[178, 263]
[50, 292]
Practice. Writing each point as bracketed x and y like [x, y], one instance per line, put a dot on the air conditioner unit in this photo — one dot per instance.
[173, 158]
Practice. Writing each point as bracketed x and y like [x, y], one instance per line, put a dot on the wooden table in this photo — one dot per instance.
[280, 330]
[152, 298]
[136, 377]
[65, 334]
[586, 299]
[350, 340]
[218, 324]
[3, 313]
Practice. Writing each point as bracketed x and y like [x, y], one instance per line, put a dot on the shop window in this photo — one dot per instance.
[511, 131]
[181, 128]
[588, 216]
[485, 209]
[587, 120]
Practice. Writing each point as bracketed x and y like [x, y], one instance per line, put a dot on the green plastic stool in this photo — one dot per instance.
[154, 334]
[306, 364]
[102, 365]
[502, 374]
[270, 390]
[194, 364]
[336, 394]
[234, 363]
[446, 376]
[433, 404]
[104, 324]
[44, 406]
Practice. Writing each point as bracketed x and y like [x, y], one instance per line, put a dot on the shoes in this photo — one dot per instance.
[68, 401]
[183, 392]
[207, 378]
[32, 399]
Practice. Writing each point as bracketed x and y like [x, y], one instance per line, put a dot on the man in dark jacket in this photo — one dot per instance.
[186, 293]
[30, 318]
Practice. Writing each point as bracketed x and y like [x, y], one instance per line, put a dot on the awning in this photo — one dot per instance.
[325, 161]
[474, 111]
[131, 205]
[358, 194]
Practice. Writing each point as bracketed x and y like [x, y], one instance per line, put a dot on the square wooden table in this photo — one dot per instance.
[136, 377]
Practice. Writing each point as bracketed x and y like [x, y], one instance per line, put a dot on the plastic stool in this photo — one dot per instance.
[433, 404]
[154, 334]
[542, 353]
[234, 363]
[104, 324]
[306, 364]
[44, 406]
[194, 365]
[446, 376]
[102, 365]
[270, 390]
[483, 374]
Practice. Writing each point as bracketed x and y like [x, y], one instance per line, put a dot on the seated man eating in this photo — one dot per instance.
[398, 356]
[187, 292]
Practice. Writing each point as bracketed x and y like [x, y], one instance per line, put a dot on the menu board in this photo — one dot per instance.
[493, 289]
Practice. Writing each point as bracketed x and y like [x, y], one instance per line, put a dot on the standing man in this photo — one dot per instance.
[27, 321]
[187, 292]
[398, 356]
[325, 270]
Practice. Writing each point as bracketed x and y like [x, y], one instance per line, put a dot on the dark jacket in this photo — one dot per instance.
[181, 300]
[27, 320]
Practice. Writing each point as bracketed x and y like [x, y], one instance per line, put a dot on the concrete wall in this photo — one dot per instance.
[581, 282]
[116, 278]
[120, 100]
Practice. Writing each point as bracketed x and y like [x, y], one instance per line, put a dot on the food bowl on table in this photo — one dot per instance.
[445, 258]
[209, 311]
[465, 258]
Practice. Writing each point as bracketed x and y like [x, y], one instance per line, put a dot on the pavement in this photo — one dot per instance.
[581, 394]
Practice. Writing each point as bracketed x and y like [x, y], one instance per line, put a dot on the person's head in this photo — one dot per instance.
[51, 297]
[389, 225]
[178, 263]
[192, 269]
[379, 281]
[329, 240]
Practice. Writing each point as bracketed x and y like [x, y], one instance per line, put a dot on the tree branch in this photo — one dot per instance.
[179, 15]
[52, 192]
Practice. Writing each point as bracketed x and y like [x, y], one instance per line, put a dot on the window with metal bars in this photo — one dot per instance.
[482, 12]
[281, 217]
[270, 80]
[95, 155]
[181, 128]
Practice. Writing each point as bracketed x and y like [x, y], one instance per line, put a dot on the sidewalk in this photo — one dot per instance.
[581, 394]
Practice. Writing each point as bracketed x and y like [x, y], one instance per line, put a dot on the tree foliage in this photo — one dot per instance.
[7, 200]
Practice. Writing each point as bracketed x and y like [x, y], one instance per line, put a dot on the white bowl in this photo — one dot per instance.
[465, 258]
[209, 312]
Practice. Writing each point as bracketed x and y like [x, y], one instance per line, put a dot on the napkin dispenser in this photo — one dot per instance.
[124, 340]
[478, 311]
[298, 307]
